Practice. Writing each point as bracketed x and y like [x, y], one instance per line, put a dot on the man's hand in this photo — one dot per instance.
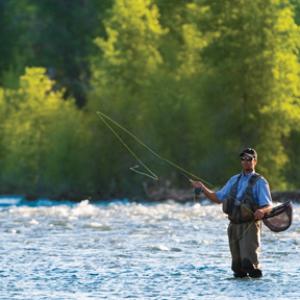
[196, 184]
[211, 195]
[259, 214]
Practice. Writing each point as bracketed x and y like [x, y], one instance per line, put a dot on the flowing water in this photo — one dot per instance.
[120, 250]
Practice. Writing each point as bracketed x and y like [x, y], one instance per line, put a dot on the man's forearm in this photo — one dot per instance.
[266, 209]
[211, 195]
[261, 212]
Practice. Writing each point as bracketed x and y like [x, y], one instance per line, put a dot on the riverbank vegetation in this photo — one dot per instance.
[196, 80]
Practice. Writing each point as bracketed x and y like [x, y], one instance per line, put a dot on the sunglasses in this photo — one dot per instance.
[246, 159]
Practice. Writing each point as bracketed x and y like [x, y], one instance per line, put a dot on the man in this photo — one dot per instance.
[246, 198]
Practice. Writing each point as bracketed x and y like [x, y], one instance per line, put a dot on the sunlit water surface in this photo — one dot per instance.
[120, 250]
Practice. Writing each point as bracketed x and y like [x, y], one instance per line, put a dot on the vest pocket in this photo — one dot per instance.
[246, 212]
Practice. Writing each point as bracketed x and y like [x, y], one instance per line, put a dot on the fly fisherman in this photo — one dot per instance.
[246, 198]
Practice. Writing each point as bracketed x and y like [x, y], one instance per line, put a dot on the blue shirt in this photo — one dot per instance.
[261, 190]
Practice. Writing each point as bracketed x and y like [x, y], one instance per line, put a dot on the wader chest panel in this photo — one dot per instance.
[240, 211]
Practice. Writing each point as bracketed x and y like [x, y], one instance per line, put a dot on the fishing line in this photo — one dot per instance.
[151, 174]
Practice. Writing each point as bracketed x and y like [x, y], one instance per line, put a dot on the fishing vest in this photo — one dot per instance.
[241, 211]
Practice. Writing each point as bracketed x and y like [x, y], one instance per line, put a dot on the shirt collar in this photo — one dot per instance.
[247, 174]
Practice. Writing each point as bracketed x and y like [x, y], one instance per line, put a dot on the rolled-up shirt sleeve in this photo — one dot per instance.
[223, 193]
[263, 193]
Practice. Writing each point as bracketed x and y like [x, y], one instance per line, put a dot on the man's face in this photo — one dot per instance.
[248, 163]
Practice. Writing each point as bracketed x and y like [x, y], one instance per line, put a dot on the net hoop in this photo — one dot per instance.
[280, 218]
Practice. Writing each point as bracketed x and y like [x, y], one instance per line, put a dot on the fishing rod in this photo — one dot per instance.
[106, 119]
[268, 219]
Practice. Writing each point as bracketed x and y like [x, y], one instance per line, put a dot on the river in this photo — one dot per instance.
[126, 250]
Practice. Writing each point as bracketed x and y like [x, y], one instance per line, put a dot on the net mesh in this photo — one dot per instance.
[280, 217]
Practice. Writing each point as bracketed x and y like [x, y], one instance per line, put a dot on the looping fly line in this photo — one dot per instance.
[106, 119]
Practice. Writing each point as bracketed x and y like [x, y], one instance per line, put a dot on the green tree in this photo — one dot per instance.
[121, 75]
[55, 34]
[296, 6]
[252, 86]
[44, 138]
[293, 142]
[18, 23]
[64, 40]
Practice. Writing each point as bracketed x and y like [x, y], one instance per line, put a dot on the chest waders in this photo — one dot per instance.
[241, 211]
[243, 231]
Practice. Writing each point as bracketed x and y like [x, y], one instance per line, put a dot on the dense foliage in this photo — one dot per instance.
[196, 80]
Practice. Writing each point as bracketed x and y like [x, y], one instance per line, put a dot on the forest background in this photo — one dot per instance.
[196, 80]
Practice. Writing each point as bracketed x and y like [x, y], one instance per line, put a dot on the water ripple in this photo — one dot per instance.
[120, 250]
